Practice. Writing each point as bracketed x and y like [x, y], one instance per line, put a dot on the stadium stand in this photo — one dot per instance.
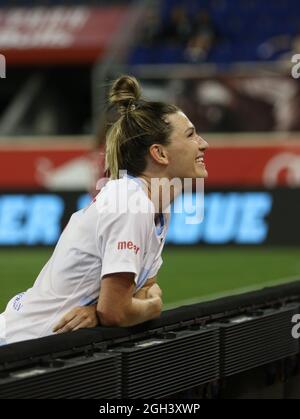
[271, 28]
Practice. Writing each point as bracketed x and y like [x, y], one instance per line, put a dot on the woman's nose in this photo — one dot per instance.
[203, 144]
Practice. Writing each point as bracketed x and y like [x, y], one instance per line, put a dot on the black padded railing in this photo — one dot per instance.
[186, 347]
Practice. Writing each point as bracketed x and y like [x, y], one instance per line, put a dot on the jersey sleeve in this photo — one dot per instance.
[123, 239]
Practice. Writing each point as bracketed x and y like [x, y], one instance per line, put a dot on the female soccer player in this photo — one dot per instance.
[103, 269]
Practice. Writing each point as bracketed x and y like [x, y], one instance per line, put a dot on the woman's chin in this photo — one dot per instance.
[201, 172]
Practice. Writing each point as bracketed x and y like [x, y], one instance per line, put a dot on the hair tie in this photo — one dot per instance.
[123, 109]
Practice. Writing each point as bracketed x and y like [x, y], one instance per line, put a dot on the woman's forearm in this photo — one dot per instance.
[143, 310]
[138, 311]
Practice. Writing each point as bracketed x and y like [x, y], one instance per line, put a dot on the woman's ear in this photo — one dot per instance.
[159, 153]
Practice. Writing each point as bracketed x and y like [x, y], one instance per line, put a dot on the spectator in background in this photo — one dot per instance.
[152, 28]
[179, 28]
[203, 37]
[195, 35]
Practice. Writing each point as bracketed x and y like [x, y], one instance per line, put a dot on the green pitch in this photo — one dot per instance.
[188, 275]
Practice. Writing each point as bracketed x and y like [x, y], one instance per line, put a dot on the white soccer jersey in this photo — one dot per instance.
[116, 233]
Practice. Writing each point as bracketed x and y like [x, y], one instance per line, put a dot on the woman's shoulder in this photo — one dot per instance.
[121, 187]
[124, 196]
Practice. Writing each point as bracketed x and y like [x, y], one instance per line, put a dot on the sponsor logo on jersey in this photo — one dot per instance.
[128, 245]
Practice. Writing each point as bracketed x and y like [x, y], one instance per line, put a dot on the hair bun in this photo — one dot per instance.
[124, 91]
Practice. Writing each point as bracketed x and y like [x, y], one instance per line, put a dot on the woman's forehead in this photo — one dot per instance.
[180, 121]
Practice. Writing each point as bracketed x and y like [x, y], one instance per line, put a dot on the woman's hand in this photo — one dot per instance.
[154, 291]
[78, 318]
[141, 294]
[148, 291]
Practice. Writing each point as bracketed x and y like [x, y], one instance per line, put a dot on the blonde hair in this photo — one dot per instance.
[139, 124]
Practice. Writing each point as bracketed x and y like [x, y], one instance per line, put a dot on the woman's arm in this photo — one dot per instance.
[78, 318]
[142, 292]
[118, 307]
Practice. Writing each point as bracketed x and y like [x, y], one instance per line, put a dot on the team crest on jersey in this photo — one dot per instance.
[17, 304]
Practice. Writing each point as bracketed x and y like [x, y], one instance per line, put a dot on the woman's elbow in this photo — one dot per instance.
[112, 319]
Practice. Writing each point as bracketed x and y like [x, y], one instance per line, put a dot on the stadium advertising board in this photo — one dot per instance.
[71, 166]
[43, 35]
[239, 217]
[251, 195]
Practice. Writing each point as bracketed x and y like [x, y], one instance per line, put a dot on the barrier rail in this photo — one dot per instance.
[188, 347]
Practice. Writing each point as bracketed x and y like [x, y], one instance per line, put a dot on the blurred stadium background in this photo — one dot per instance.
[228, 64]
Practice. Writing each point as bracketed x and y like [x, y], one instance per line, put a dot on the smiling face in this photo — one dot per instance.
[186, 151]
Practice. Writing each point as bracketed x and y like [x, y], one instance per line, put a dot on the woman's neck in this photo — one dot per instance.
[161, 190]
